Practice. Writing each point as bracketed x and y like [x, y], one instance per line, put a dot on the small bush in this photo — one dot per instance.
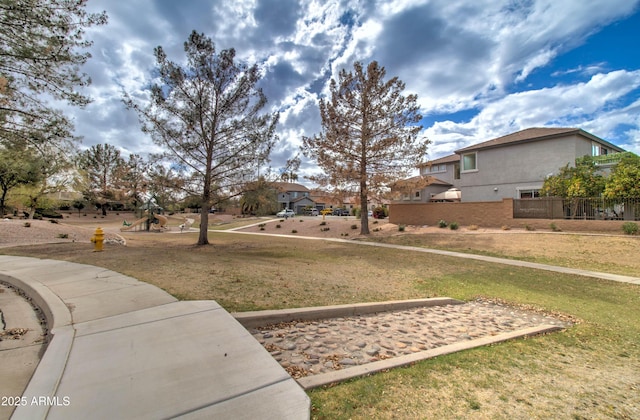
[54, 221]
[63, 235]
[278, 226]
[324, 229]
[294, 231]
[555, 228]
[261, 227]
[323, 223]
[401, 228]
[473, 227]
[453, 225]
[354, 227]
[442, 224]
[529, 228]
[27, 224]
[375, 222]
[300, 220]
[630, 228]
[506, 227]
[377, 230]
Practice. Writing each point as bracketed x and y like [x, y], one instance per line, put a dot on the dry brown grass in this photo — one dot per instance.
[590, 371]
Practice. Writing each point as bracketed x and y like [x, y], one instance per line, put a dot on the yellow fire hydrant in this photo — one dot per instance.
[98, 239]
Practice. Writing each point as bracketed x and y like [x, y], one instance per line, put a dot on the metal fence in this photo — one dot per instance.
[577, 208]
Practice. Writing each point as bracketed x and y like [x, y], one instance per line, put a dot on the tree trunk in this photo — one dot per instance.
[203, 239]
[364, 218]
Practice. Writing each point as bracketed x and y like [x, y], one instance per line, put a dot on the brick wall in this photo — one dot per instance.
[490, 214]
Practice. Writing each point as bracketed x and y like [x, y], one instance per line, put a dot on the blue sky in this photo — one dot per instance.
[481, 68]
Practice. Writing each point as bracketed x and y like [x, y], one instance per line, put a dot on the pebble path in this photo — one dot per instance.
[306, 348]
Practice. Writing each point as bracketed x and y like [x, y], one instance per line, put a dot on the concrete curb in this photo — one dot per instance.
[261, 318]
[310, 382]
[46, 378]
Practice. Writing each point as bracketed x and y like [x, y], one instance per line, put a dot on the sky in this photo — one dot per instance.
[480, 68]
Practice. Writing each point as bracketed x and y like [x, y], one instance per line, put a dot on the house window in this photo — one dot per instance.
[598, 150]
[456, 171]
[417, 195]
[529, 193]
[469, 162]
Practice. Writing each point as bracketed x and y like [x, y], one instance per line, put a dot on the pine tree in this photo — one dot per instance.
[41, 51]
[207, 114]
[370, 134]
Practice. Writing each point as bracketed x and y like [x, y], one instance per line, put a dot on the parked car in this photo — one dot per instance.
[312, 212]
[341, 212]
[285, 213]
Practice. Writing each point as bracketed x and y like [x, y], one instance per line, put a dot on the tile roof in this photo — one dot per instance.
[447, 159]
[288, 186]
[534, 134]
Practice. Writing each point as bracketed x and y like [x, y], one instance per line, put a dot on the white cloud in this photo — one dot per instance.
[456, 56]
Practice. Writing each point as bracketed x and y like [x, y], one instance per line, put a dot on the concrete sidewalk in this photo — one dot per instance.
[121, 348]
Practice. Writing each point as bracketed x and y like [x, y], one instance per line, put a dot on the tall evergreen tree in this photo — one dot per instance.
[207, 114]
[102, 166]
[370, 134]
[41, 51]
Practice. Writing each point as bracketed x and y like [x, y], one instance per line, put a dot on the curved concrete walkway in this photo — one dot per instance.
[121, 348]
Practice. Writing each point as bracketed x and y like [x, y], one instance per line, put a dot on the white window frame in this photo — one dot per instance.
[463, 169]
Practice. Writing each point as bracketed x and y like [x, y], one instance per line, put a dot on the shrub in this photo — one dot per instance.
[294, 231]
[63, 235]
[380, 212]
[529, 228]
[278, 226]
[555, 228]
[442, 224]
[300, 220]
[473, 227]
[506, 227]
[261, 227]
[401, 228]
[354, 227]
[27, 224]
[630, 228]
[323, 223]
[453, 225]
[375, 222]
[324, 229]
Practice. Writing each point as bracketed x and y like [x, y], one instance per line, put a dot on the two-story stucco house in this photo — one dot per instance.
[293, 196]
[511, 166]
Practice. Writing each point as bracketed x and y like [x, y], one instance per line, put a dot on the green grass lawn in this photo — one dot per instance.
[591, 370]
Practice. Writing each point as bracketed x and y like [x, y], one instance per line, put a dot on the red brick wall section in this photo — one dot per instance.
[490, 214]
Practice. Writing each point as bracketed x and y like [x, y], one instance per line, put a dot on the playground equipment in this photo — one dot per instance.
[156, 222]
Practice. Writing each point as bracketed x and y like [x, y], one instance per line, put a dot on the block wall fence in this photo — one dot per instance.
[489, 214]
